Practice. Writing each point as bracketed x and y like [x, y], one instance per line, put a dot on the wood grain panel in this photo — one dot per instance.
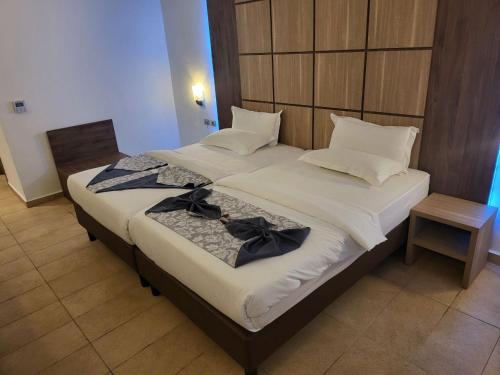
[323, 126]
[296, 126]
[387, 120]
[462, 127]
[293, 25]
[396, 81]
[402, 23]
[257, 106]
[293, 78]
[256, 76]
[225, 59]
[339, 80]
[254, 27]
[340, 24]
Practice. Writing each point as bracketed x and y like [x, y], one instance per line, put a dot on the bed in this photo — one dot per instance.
[250, 311]
[106, 215]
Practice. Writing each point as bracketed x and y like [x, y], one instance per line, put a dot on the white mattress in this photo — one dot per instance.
[114, 209]
[256, 294]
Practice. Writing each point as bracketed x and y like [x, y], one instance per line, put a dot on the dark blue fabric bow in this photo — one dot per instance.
[110, 172]
[193, 202]
[262, 241]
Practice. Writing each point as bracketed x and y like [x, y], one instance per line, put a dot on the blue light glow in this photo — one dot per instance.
[494, 199]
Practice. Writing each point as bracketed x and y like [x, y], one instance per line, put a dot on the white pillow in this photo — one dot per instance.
[392, 142]
[371, 168]
[258, 122]
[240, 141]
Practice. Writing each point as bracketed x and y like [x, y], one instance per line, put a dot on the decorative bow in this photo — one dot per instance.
[194, 202]
[262, 241]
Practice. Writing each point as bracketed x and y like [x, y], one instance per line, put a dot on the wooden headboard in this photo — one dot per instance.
[368, 59]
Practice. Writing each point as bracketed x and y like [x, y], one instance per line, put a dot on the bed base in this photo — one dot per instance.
[250, 349]
[96, 230]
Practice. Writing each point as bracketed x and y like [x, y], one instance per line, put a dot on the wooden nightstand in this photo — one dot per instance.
[453, 227]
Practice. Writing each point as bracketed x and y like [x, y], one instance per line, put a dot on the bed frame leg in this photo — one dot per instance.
[251, 372]
[144, 282]
[155, 292]
[92, 238]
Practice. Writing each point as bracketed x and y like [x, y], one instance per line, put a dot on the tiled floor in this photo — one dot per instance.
[69, 306]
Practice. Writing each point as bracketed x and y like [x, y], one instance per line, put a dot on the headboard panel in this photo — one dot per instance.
[368, 59]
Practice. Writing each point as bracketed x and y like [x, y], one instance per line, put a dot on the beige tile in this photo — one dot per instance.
[11, 253]
[19, 285]
[31, 327]
[43, 352]
[10, 205]
[405, 323]
[440, 278]
[493, 365]
[87, 298]
[82, 362]
[360, 305]
[3, 229]
[86, 275]
[213, 362]
[7, 241]
[312, 350]
[19, 222]
[169, 354]
[53, 238]
[72, 262]
[366, 357]
[62, 249]
[26, 304]
[33, 213]
[15, 268]
[481, 299]
[395, 271]
[115, 312]
[43, 228]
[459, 344]
[128, 339]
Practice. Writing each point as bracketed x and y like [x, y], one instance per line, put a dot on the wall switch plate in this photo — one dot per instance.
[209, 122]
[206, 122]
[213, 123]
[18, 106]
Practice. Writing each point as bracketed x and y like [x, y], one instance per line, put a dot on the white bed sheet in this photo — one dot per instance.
[114, 209]
[256, 294]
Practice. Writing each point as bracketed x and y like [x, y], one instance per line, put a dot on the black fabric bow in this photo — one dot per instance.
[146, 182]
[110, 172]
[262, 241]
[193, 202]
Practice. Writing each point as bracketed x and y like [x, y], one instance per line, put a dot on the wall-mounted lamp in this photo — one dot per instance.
[198, 94]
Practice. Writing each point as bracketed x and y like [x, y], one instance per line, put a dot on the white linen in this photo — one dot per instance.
[392, 142]
[242, 142]
[267, 124]
[256, 294]
[114, 209]
[372, 168]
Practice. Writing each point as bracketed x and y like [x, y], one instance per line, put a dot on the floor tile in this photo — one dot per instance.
[34, 213]
[26, 304]
[11, 253]
[361, 304]
[31, 327]
[10, 205]
[15, 268]
[213, 362]
[7, 241]
[82, 362]
[405, 323]
[481, 299]
[493, 365]
[43, 228]
[459, 344]
[19, 285]
[440, 278]
[45, 351]
[57, 251]
[313, 350]
[86, 275]
[62, 266]
[395, 271]
[3, 229]
[53, 238]
[168, 355]
[366, 357]
[36, 219]
[87, 298]
[115, 312]
[128, 339]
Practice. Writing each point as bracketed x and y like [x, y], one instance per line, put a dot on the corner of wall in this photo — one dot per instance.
[10, 166]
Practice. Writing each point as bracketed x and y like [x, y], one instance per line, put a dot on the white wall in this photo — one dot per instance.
[188, 39]
[77, 61]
